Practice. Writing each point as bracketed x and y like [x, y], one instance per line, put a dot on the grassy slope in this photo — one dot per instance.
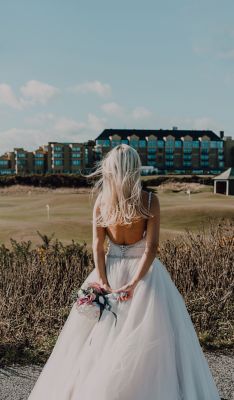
[21, 214]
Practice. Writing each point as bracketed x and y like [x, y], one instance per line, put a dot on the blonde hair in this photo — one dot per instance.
[119, 187]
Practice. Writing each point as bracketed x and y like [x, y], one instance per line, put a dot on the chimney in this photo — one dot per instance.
[221, 134]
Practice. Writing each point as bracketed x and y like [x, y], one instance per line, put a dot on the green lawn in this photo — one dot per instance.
[22, 214]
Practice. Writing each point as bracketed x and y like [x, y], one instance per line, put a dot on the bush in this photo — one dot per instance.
[201, 266]
[36, 286]
[46, 180]
[35, 294]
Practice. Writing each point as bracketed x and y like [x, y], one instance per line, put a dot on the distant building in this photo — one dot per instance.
[175, 151]
[55, 157]
[161, 151]
[7, 163]
[228, 151]
[224, 183]
[67, 157]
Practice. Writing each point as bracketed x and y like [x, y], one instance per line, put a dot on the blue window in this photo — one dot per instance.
[39, 155]
[39, 162]
[188, 144]
[169, 150]
[160, 144]
[21, 155]
[205, 144]
[187, 147]
[204, 156]
[21, 162]
[205, 151]
[104, 143]
[134, 143]
[195, 144]
[142, 143]
[169, 164]
[205, 163]
[6, 171]
[75, 162]
[115, 142]
[187, 156]
[152, 163]
[74, 155]
[178, 143]
[58, 148]
[58, 163]
[3, 162]
[213, 144]
[58, 155]
[151, 156]
[169, 156]
[75, 148]
[169, 144]
[152, 143]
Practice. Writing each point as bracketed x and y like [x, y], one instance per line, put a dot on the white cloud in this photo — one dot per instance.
[63, 125]
[17, 137]
[197, 123]
[38, 92]
[113, 109]
[102, 89]
[40, 119]
[8, 97]
[68, 125]
[95, 123]
[203, 123]
[33, 92]
[141, 113]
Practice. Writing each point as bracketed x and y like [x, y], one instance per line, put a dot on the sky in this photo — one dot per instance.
[69, 69]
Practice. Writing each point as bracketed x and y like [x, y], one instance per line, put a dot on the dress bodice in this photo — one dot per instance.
[134, 250]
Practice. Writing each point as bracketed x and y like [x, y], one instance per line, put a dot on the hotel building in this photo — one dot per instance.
[176, 151]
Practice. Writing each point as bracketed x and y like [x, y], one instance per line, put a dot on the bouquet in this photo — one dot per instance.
[92, 300]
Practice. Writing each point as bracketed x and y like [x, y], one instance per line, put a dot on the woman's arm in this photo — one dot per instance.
[99, 234]
[151, 248]
[152, 241]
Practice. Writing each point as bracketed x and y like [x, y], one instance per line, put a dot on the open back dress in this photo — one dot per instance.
[152, 353]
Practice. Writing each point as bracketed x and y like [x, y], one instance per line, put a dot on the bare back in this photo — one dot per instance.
[131, 233]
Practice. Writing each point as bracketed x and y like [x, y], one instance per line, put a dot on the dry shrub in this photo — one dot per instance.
[36, 286]
[35, 293]
[202, 267]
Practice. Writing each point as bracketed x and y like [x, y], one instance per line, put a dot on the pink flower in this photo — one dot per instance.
[88, 299]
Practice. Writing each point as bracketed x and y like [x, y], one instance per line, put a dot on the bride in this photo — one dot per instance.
[152, 352]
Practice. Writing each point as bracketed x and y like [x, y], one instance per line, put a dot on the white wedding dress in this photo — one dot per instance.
[152, 353]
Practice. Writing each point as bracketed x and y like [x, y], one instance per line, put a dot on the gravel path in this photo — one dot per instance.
[16, 381]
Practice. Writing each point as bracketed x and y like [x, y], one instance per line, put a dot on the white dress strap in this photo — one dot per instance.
[149, 200]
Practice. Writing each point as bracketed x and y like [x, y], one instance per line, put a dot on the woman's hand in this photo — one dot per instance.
[106, 287]
[128, 290]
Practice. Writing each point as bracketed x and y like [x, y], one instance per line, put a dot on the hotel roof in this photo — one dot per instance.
[160, 133]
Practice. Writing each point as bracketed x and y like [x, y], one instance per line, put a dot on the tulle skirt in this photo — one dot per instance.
[152, 353]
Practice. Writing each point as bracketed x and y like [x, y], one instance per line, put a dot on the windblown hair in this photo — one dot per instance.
[119, 187]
